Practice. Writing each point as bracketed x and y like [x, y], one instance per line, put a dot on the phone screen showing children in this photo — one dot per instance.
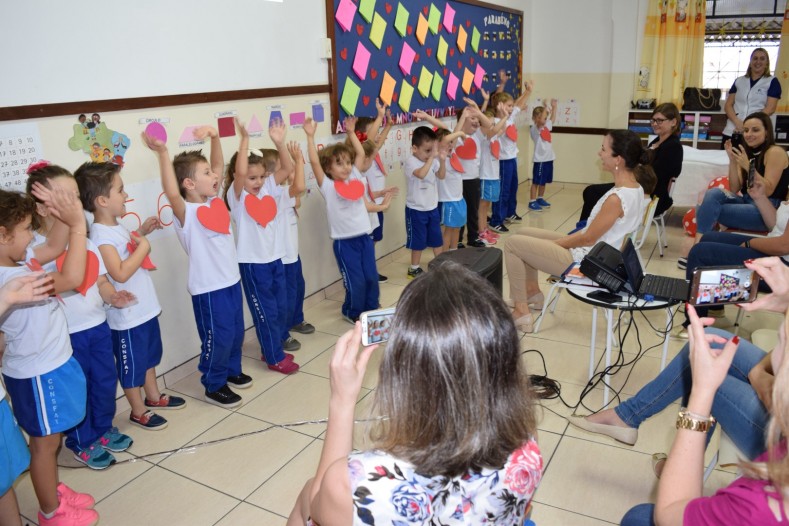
[20, 146]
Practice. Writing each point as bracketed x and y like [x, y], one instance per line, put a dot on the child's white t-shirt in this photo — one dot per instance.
[347, 218]
[255, 243]
[139, 284]
[509, 148]
[470, 166]
[450, 188]
[376, 180]
[291, 221]
[488, 164]
[373, 216]
[543, 149]
[213, 264]
[421, 194]
[36, 334]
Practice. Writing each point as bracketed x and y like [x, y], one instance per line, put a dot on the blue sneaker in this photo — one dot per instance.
[95, 457]
[543, 203]
[535, 207]
[115, 441]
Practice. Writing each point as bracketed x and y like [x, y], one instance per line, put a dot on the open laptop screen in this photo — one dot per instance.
[633, 268]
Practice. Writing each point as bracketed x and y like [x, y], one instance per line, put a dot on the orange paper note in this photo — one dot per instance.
[468, 78]
[421, 29]
[387, 88]
[462, 38]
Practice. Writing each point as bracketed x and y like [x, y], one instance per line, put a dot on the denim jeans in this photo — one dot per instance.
[640, 515]
[732, 210]
[736, 405]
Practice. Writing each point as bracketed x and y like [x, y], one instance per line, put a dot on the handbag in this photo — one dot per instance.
[701, 99]
[643, 104]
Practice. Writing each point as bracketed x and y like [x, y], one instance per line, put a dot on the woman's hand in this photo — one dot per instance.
[739, 157]
[776, 274]
[348, 365]
[757, 189]
[709, 366]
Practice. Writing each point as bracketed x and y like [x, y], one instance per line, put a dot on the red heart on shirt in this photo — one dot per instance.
[512, 132]
[147, 264]
[545, 134]
[468, 150]
[262, 210]
[352, 190]
[380, 163]
[215, 216]
[455, 163]
[91, 270]
[495, 148]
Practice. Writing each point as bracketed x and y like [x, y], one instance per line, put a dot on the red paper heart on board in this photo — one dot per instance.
[454, 28]
[388, 7]
[455, 163]
[446, 71]
[389, 50]
[429, 51]
[373, 73]
[359, 29]
[409, 30]
[147, 264]
[91, 270]
[545, 134]
[460, 64]
[352, 189]
[35, 266]
[512, 132]
[468, 23]
[416, 57]
[413, 80]
[467, 150]
[495, 148]
[215, 216]
[451, 52]
[365, 100]
[344, 53]
[394, 96]
[471, 60]
[380, 163]
[424, 10]
[473, 89]
[262, 210]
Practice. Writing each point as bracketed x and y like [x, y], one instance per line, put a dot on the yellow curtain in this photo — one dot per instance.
[672, 57]
[781, 68]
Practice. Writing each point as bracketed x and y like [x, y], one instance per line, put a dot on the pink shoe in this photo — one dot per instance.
[286, 366]
[65, 515]
[492, 234]
[75, 499]
[487, 238]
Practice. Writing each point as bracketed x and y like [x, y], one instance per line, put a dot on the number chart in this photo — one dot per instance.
[20, 146]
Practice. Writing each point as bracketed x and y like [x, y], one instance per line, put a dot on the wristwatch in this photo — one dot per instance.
[692, 422]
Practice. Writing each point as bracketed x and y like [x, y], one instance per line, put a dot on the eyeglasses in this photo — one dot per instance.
[657, 121]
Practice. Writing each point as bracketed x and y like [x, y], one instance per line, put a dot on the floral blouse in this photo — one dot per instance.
[387, 491]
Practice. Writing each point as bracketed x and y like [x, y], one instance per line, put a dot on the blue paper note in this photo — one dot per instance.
[317, 112]
[275, 115]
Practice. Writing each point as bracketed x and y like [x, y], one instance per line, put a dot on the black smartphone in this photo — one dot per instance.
[723, 285]
[604, 296]
[736, 140]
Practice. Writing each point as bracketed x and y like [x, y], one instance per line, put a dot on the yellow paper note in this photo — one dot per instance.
[425, 79]
[435, 19]
[468, 78]
[387, 88]
[406, 92]
[350, 96]
[462, 38]
[421, 29]
[377, 30]
[441, 54]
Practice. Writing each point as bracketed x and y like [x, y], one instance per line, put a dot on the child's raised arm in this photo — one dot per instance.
[524, 98]
[424, 116]
[503, 78]
[217, 158]
[554, 107]
[58, 236]
[242, 159]
[372, 130]
[360, 160]
[122, 269]
[380, 138]
[449, 139]
[299, 185]
[167, 174]
[485, 99]
[309, 128]
[277, 131]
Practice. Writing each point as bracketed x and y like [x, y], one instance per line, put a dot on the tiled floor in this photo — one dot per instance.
[212, 466]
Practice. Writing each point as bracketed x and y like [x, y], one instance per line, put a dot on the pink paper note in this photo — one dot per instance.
[478, 74]
[188, 135]
[297, 118]
[254, 125]
[452, 86]
[157, 131]
[406, 59]
[449, 17]
[361, 61]
[344, 14]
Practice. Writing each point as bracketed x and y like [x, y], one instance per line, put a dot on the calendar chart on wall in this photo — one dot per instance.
[20, 146]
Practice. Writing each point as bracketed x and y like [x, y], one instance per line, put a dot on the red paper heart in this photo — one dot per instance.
[365, 100]
[545, 134]
[35, 266]
[451, 52]
[424, 10]
[91, 270]
[262, 210]
[471, 60]
[454, 161]
[428, 52]
[147, 264]
[352, 189]
[344, 53]
[512, 132]
[446, 71]
[413, 80]
[359, 29]
[460, 64]
[468, 23]
[454, 28]
[380, 163]
[467, 150]
[389, 50]
[394, 96]
[473, 89]
[409, 29]
[215, 216]
[388, 8]
[495, 148]
[373, 73]
[416, 57]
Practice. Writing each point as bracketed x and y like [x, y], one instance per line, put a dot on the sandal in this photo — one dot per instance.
[657, 458]
[525, 323]
[536, 301]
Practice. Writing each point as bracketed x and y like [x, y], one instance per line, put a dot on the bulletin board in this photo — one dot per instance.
[419, 54]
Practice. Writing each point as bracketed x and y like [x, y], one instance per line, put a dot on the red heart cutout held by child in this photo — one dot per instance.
[380, 163]
[262, 210]
[468, 150]
[215, 216]
[512, 132]
[495, 148]
[352, 190]
[147, 264]
[91, 270]
[545, 135]
[455, 163]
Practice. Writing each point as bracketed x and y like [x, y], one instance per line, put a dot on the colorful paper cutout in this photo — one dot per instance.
[462, 38]
[297, 118]
[441, 54]
[387, 88]
[214, 216]
[350, 96]
[467, 150]
[425, 79]
[377, 30]
[421, 29]
[351, 189]
[475, 39]
[91, 270]
[366, 9]
[449, 17]
[434, 19]
[438, 84]
[276, 115]
[401, 20]
[360, 61]
[157, 131]
[147, 264]
[512, 132]
[226, 127]
[262, 210]
[545, 134]
[254, 125]
[344, 14]
[468, 78]
[454, 162]
[317, 113]
[406, 92]
[478, 75]
[495, 148]
[188, 135]
[452, 86]
[406, 58]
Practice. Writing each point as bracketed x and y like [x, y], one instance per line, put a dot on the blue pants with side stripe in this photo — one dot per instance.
[264, 287]
[295, 288]
[356, 261]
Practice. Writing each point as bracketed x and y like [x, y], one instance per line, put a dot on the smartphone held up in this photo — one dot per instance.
[723, 286]
[375, 325]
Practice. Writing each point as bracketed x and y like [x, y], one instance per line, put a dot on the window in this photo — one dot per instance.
[725, 61]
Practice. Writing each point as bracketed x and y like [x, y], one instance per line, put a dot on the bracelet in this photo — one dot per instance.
[694, 422]
[747, 243]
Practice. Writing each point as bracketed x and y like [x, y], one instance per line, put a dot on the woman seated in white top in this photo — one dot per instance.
[616, 215]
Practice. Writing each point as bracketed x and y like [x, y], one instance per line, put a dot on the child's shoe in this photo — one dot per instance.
[65, 515]
[487, 238]
[74, 499]
[414, 272]
[534, 206]
[148, 420]
[493, 234]
[95, 457]
[291, 344]
[286, 366]
[350, 320]
[515, 218]
[477, 243]
[499, 228]
[304, 327]
[240, 381]
[115, 441]
[223, 397]
[382, 278]
[543, 203]
[166, 402]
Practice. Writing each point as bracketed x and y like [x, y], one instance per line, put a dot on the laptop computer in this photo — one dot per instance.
[648, 286]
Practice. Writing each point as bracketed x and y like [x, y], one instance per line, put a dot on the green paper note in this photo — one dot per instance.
[406, 92]
[401, 20]
[441, 54]
[350, 96]
[425, 78]
[377, 30]
[366, 9]
[434, 19]
[438, 84]
[475, 39]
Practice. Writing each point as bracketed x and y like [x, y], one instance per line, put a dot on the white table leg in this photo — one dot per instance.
[609, 315]
[592, 345]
